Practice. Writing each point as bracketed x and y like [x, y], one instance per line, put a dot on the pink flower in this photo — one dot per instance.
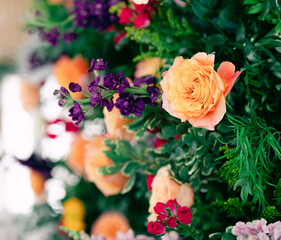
[159, 142]
[171, 222]
[172, 205]
[142, 7]
[156, 228]
[149, 179]
[126, 15]
[184, 215]
[160, 208]
[162, 216]
[142, 20]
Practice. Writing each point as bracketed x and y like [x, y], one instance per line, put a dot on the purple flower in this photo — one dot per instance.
[94, 14]
[116, 82]
[100, 64]
[51, 36]
[127, 104]
[76, 113]
[64, 91]
[69, 37]
[96, 97]
[92, 87]
[154, 93]
[108, 103]
[146, 81]
[74, 87]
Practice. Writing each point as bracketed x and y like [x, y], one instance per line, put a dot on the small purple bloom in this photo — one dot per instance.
[154, 93]
[127, 104]
[51, 36]
[62, 102]
[116, 82]
[92, 87]
[100, 64]
[64, 91]
[95, 98]
[146, 81]
[76, 113]
[69, 37]
[108, 103]
[74, 87]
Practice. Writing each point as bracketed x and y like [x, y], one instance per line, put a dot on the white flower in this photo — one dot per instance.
[140, 1]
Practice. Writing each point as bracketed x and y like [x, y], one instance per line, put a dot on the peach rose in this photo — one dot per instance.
[29, 95]
[193, 91]
[115, 124]
[37, 182]
[69, 70]
[95, 158]
[165, 188]
[148, 66]
[76, 157]
[109, 223]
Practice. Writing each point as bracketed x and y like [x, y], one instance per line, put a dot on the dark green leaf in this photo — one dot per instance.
[129, 184]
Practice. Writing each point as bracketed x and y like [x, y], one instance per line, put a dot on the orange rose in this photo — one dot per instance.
[37, 182]
[109, 223]
[165, 188]
[115, 124]
[76, 158]
[193, 91]
[148, 66]
[30, 96]
[95, 158]
[69, 70]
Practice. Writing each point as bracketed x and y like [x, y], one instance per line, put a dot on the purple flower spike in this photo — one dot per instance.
[74, 87]
[76, 113]
[95, 98]
[107, 103]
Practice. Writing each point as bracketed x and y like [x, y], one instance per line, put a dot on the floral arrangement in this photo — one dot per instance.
[188, 92]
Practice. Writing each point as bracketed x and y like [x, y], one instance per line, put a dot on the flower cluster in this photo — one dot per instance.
[257, 230]
[131, 98]
[94, 13]
[139, 14]
[171, 216]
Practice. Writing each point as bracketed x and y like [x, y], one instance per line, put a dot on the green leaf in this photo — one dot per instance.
[124, 149]
[169, 132]
[199, 9]
[216, 39]
[240, 32]
[256, 8]
[129, 184]
[130, 167]
[110, 169]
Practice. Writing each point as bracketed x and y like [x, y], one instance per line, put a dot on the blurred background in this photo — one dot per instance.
[22, 130]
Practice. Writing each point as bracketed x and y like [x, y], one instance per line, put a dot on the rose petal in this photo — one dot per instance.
[204, 59]
[227, 72]
[212, 118]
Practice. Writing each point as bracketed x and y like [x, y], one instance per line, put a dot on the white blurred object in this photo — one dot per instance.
[18, 126]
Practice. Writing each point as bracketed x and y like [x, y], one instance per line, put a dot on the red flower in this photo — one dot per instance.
[171, 222]
[159, 142]
[156, 228]
[126, 15]
[172, 205]
[149, 179]
[160, 208]
[162, 216]
[119, 37]
[142, 20]
[184, 215]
